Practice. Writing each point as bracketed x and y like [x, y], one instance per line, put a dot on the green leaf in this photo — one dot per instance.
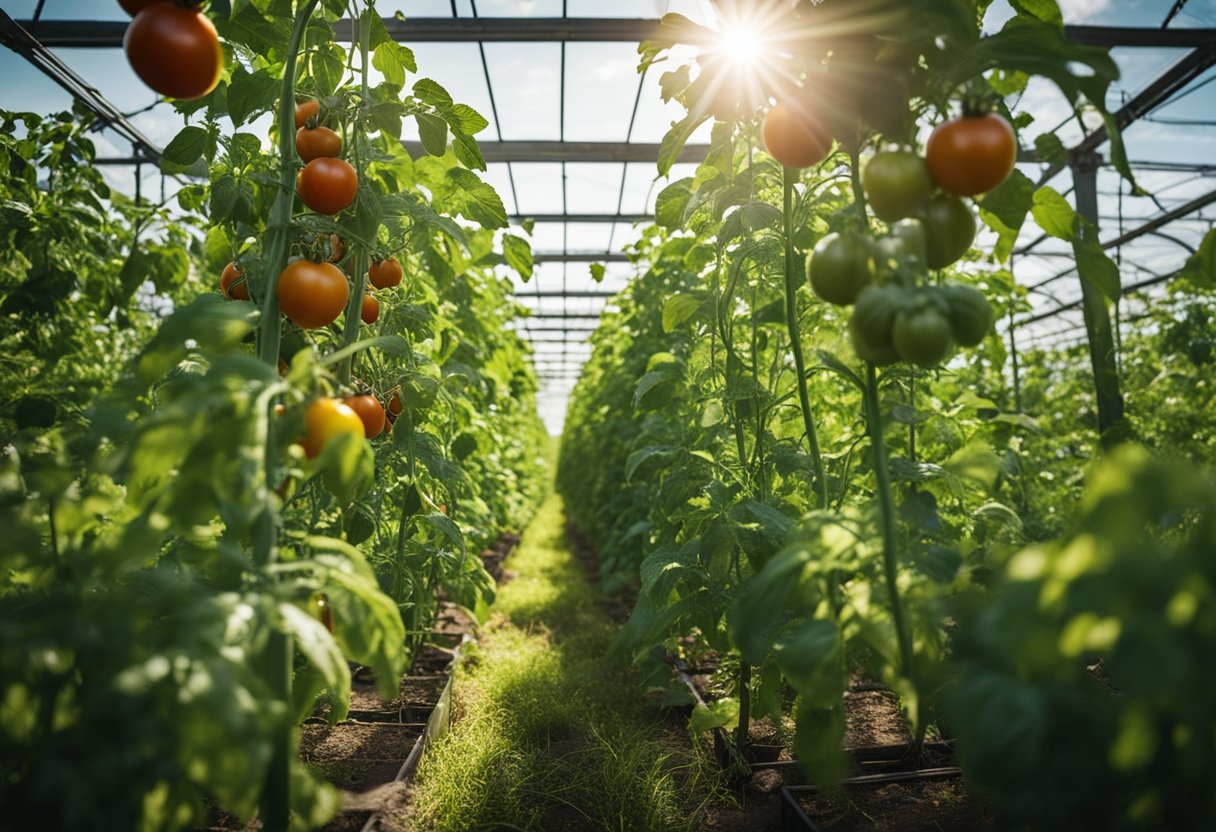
[597, 272]
[1200, 267]
[465, 119]
[655, 389]
[317, 645]
[1004, 210]
[680, 308]
[250, 94]
[448, 528]
[1053, 214]
[186, 148]
[761, 610]
[467, 150]
[224, 197]
[1047, 11]
[818, 742]
[394, 60]
[671, 202]
[518, 252]
[675, 139]
[433, 132]
[474, 199]
[811, 655]
[721, 713]
[644, 455]
[430, 92]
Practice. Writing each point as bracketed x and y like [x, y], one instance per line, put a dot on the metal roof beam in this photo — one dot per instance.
[558, 151]
[108, 33]
[523, 294]
[578, 257]
[582, 218]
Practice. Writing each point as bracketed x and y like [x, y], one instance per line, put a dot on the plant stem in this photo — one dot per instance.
[354, 308]
[886, 505]
[791, 319]
[276, 795]
[745, 706]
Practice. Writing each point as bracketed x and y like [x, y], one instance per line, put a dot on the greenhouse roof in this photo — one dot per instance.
[574, 131]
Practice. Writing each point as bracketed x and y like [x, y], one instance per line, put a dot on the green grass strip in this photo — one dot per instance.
[549, 734]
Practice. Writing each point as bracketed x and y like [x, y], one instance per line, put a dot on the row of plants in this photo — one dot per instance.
[888, 503]
[252, 436]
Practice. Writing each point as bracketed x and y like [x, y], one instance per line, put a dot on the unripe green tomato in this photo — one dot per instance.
[922, 335]
[949, 229]
[970, 314]
[904, 248]
[896, 183]
[840, 266]
[873, 320]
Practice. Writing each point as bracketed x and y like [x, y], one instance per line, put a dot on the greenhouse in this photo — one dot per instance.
[654, 415]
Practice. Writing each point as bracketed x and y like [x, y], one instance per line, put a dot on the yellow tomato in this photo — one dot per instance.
[325, 419]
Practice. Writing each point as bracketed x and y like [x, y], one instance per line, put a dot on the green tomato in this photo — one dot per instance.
[896, 183]
[873, 320]
[904, 248]
[970, 314]
[949, 229]
[921, 335]
[841, 266]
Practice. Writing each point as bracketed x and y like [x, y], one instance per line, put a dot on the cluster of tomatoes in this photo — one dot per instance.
[897, 315]
[173, 47]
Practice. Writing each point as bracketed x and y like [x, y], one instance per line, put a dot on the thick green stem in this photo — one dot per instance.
[791, 319]
[354, 309]
[886, 504]
[276, 796]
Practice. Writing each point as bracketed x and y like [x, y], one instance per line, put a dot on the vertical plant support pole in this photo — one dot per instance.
[1097, 316]
[791, 320]
[276, 796]
[886, 505]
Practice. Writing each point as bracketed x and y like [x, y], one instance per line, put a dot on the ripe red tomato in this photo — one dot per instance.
[232, 272]
[306, 110]
[328, 186]
[370, 411]
[394, 404]
[326, 419]
[971, 155]
[174, 50]
[385, 273]
[371, 310]
[317, 143]
[312, 294]
[794, 134]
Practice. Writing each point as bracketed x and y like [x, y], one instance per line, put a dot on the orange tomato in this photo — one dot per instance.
[328, 186]
[385, 273]
[229, 287]
[317, 143]
[174, 50]
[371, 310]
[795, 135]
[971, 155]
[326, 419]
[305, 110]
[371, 412]
[312, 294]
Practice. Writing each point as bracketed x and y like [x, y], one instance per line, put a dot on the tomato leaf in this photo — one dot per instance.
[473, 199]
[1200, 267]
[1053, 214]
[250, 93]
[680, 308]
[186, 148]
[1093, 265]
[518, 253]
[433, 132]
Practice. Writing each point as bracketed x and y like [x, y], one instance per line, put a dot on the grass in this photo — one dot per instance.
[549, 734]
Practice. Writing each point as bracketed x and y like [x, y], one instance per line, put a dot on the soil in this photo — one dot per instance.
[918, 806]
[617, 605]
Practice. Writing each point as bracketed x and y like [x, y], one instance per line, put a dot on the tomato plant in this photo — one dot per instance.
[312, 294]
[328, 186]
[174, 50]
[971, 154]
[949, 230]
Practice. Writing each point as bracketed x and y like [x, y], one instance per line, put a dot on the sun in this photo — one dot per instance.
[742, 44]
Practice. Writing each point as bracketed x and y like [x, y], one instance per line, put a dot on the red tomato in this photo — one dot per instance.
[232, 272]
[312, 294]
[972, 154]
[306, 110]
[794, 134]
[371, 412]
[328, 186]
[174, 50]
[371, 310]
[385, 273]
[317, 143]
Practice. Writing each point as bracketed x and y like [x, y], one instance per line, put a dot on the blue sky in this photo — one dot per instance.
[601, 85]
